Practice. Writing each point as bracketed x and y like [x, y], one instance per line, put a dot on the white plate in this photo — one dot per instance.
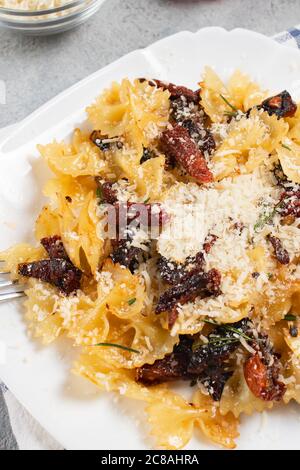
[73, 411]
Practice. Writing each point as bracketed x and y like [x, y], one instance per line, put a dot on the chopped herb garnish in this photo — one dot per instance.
[290, 317]
[286, 147]
[229, 104]
[211, 322]
[222, 340]
[238, 332]
[120, 346]
[131, 301]
[266, 218]
[232, 114]
[228, 328]
[147, 200]
[99, 194]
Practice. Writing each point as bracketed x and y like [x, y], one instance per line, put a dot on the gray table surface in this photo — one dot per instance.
[36, 69]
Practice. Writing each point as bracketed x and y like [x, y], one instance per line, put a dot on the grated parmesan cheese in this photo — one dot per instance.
[66, 308]
[230, 211]
[140, 238]
[125, 191]
[71, 235]
[105, 281]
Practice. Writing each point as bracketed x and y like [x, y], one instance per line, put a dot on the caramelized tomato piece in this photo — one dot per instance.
[262, 379]
[280, 105]
[179, 146]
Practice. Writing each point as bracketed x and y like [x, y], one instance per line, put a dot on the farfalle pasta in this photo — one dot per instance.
[168, 251]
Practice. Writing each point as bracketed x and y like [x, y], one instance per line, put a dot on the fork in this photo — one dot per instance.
[9, 289]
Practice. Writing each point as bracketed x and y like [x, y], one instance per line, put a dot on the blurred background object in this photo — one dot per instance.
[46, 17]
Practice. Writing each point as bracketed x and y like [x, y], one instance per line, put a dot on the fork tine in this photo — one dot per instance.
[11, 295]
[7, 283]
[2, 264]
[3, 272]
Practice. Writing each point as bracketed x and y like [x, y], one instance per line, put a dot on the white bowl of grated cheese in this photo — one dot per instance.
[44, 17]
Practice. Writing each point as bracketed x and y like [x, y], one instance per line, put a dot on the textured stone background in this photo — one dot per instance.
[7, 440]
[36, 69]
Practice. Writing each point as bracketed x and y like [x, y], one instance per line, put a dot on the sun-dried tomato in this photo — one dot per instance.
[281, 254]
[222, 341]
[172, 317]
[126, 254]
[214, 380]
[280, 105]
[201, 135]
[173, 273]
[107, 193]
[56, 271]
[262, 379]
[193, 117]
[175, 90]
[209, 362]
[177, 273]
[187, 111]
[256, 375]
[178, 145]
[105, 143]
[54, 247]
[290, 203]
[206, 364]
[146, 215]
[148, 154]
[130, 218]
[262, 370]
[209, 242]
[171, 367]
[195, 285]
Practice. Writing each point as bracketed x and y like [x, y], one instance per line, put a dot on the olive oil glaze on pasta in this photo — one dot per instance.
[214, 304]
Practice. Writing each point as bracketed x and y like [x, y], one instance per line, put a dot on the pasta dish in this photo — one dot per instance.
[168, 252]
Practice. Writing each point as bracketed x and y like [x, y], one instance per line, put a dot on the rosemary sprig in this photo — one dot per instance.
[211, 322]
[131, 301]
[223, 341]
[99, 194]
[234, 108]
[286, 147]
[238, 332]
[266, 218]
[230, 328]
[120, 346]
[232, 114]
